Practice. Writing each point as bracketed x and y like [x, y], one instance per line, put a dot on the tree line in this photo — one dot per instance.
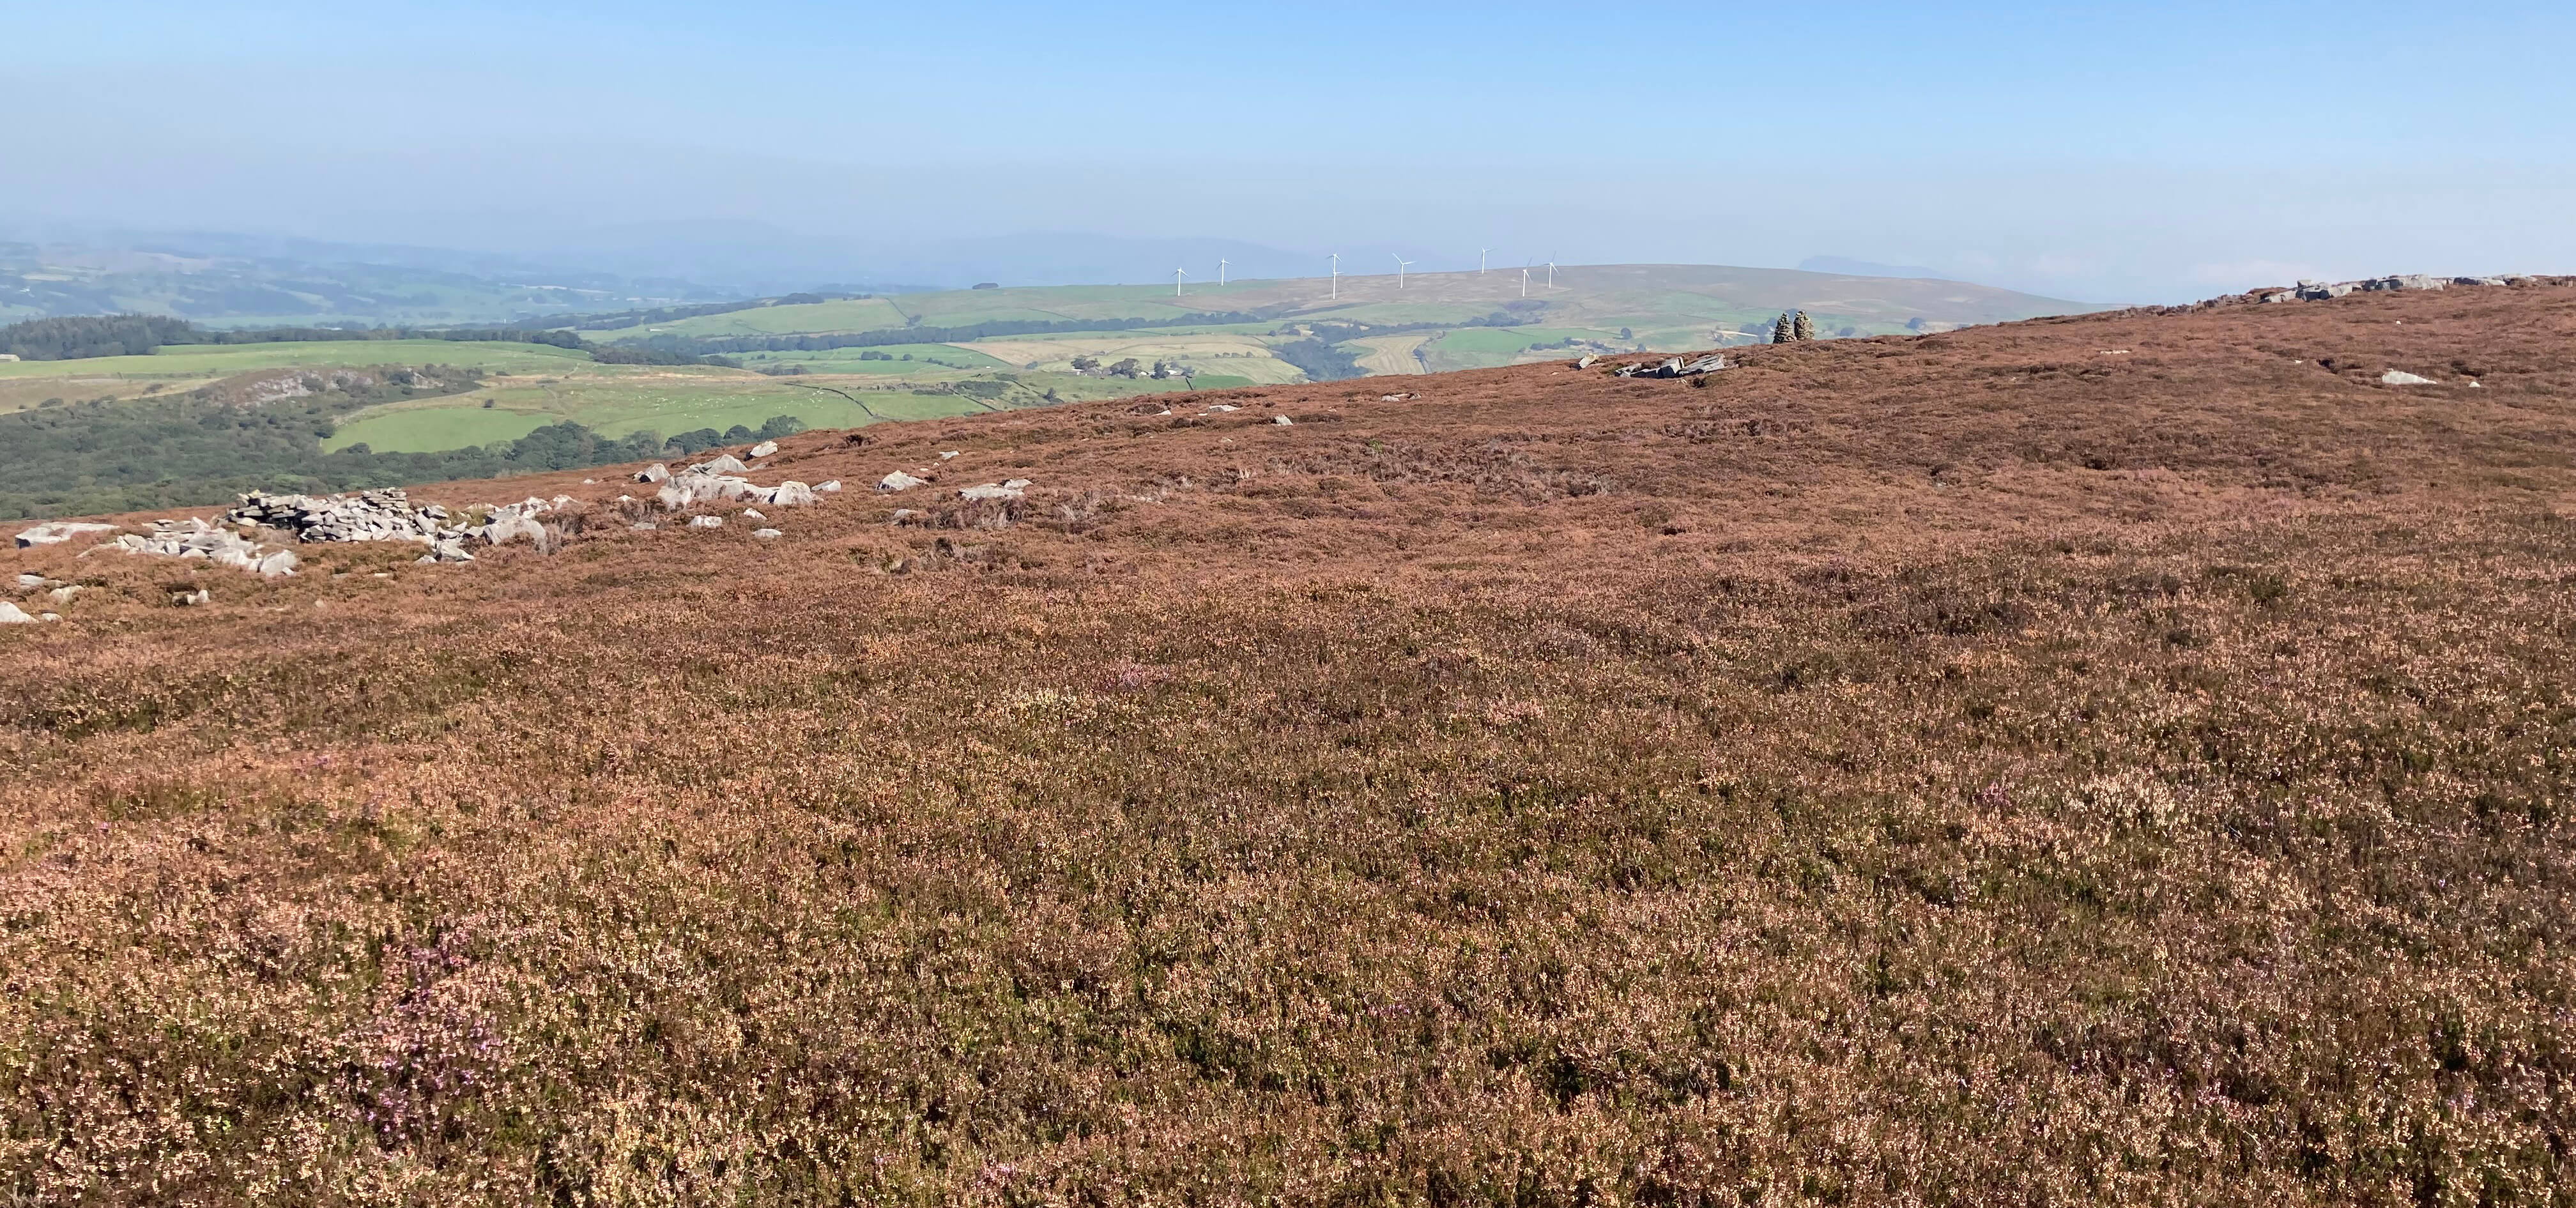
[106, 456]
[82, 337]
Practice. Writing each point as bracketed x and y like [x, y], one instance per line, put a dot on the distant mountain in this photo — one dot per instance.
[1848, 267]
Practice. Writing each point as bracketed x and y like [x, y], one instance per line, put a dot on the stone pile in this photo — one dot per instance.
[1672, 368]
[194, 538]
[388, 515]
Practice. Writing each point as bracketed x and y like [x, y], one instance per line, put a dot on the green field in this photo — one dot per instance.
[430, 429]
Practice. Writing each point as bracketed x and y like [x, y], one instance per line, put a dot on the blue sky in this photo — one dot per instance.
[2100, 151]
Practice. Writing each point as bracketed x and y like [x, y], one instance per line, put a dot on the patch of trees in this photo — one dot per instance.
[81, 337]
[701, 345]
[1322, 361]
[109, 455]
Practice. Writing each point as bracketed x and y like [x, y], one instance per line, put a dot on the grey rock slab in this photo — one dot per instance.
[1281, 420]
[900, 481]
[764, 448]
[706, 522]
[767, 534]
[58, 532]
[2399, 377]
[11, 614]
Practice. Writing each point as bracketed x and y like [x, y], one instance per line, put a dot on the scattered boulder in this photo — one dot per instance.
[2399, 377]
[753, 514]
[767, 534]
[1588, 361]
[60, 531]
[2404, 281]
[764, 448]
[1395, 398]
[657, 472]
[1281, 420]
[707, 522]
[900, 481]
[199, 597]
[945, 456]
[726, 464]
[1222, 408]
[829, 486]
[11, 614]
[1014, 489]
[26, 581]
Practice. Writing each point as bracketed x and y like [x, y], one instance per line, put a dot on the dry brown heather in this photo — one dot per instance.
[1977, 769]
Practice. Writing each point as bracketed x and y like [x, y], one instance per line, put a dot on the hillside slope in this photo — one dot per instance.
[2119, 759]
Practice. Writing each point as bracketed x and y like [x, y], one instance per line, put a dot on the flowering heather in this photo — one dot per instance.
[2125, 759]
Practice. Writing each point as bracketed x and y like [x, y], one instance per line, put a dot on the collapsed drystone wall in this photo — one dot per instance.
[389, 515]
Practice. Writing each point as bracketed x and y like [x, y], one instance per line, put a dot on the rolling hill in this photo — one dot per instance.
[2117, 758]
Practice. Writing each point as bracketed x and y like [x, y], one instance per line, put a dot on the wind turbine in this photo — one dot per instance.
[1525, 282]
[1400, 263]
[1480, 260]
[1551, 274]
[1177, 274]
[1337, 275]
[1220, 271]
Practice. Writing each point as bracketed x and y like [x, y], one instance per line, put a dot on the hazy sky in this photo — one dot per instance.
[2100, 151]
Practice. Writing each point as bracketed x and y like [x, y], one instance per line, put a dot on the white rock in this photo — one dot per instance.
[945, 456]
[707, 522]
[829, 486]
[900, 481]
[657, 472]
[1015, 484]
[753, 514]
[726, 464]
[644, 525]
[31, 580]
[59, 532]
[11, 614]
[764, 448]
[64, 594]
[1281, 420]
[2399, 377]
[793, 494]
[49, 616]
[767, 534]
[1221, 408]
[990, 490]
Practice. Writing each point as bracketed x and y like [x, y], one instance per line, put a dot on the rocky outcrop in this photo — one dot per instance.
[2319, 291]
[1014, 489]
